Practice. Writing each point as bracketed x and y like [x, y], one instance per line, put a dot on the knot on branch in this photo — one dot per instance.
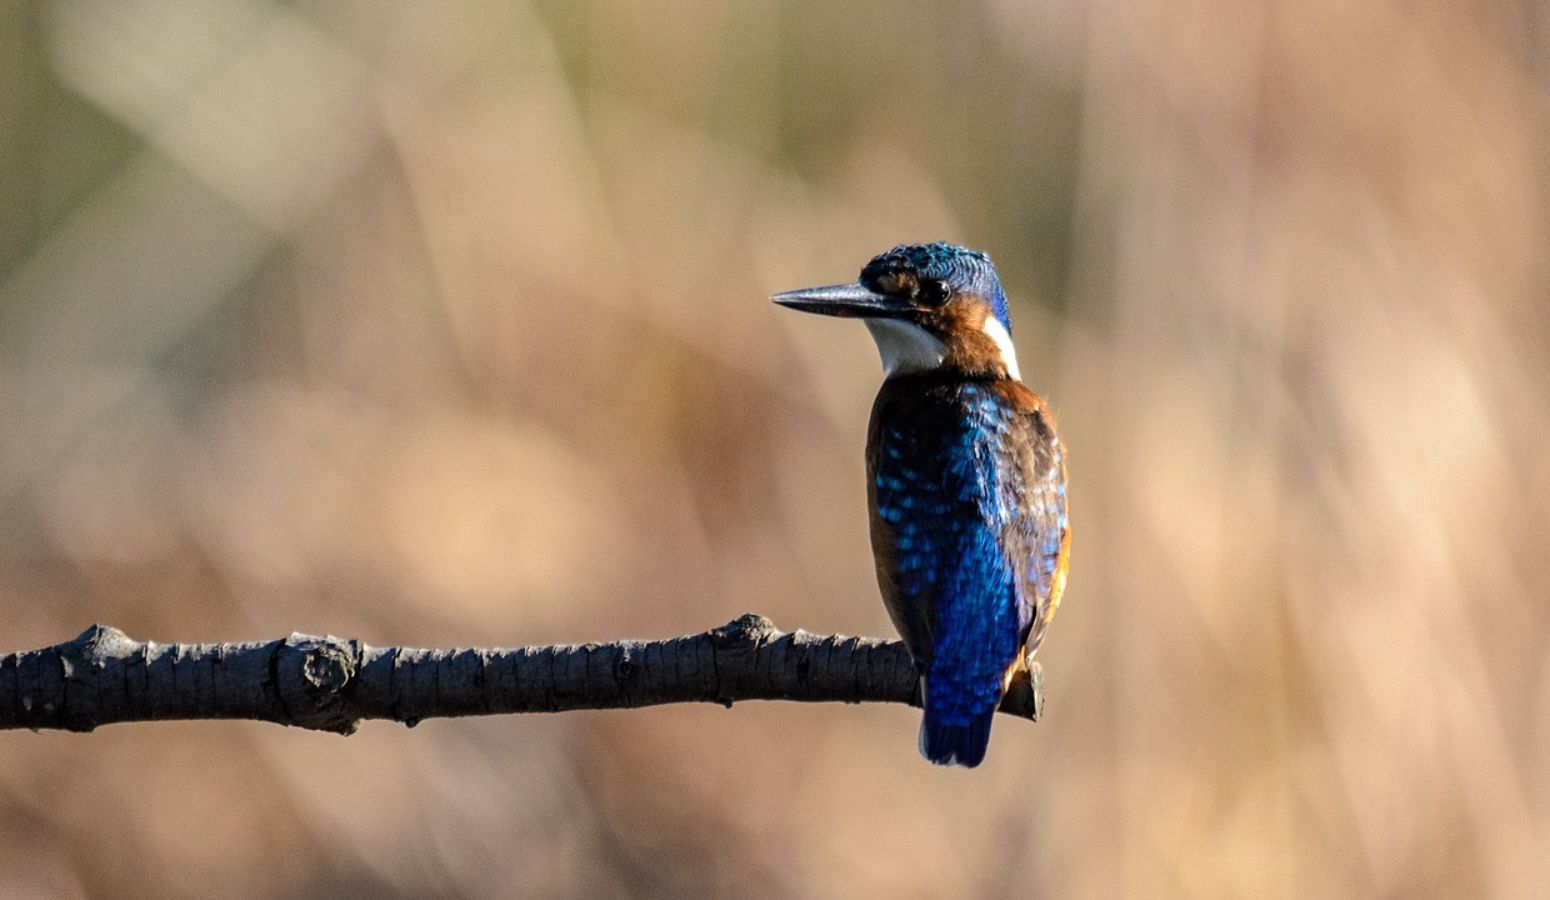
[98, 644]
[748, 631]
[312, 675]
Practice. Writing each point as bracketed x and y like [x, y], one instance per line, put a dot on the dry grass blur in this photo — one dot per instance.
[447, 324]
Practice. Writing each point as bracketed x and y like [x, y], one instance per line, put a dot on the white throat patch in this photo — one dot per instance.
[1003, 341]
[905, 347]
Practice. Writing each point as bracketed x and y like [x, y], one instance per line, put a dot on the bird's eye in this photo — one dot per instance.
[934, 292]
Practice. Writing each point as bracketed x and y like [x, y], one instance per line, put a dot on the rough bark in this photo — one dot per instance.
[331, 684]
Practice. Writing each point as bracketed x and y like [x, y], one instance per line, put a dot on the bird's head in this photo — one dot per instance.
[928, 306]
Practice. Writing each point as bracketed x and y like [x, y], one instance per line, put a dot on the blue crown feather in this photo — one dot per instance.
[965, 270]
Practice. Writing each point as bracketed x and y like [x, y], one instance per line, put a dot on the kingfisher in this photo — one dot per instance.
[966, 483]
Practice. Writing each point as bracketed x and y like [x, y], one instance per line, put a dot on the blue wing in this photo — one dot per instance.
[1041, 534]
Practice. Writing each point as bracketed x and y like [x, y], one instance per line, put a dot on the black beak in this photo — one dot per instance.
[848, 300]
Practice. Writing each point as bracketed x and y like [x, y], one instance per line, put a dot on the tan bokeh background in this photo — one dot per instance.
[446, 324]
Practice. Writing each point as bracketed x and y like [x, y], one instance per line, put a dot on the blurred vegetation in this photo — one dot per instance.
[446, 324]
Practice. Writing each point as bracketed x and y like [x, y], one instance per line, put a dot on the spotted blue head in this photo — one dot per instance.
[928, 306]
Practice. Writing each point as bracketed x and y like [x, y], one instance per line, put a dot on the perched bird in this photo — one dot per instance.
[966, 483]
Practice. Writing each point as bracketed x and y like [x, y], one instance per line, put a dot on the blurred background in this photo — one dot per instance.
[447, 324]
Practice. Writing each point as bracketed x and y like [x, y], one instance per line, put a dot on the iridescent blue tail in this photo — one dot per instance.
[951, 737]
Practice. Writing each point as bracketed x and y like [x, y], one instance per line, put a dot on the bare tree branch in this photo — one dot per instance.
[330, 684]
